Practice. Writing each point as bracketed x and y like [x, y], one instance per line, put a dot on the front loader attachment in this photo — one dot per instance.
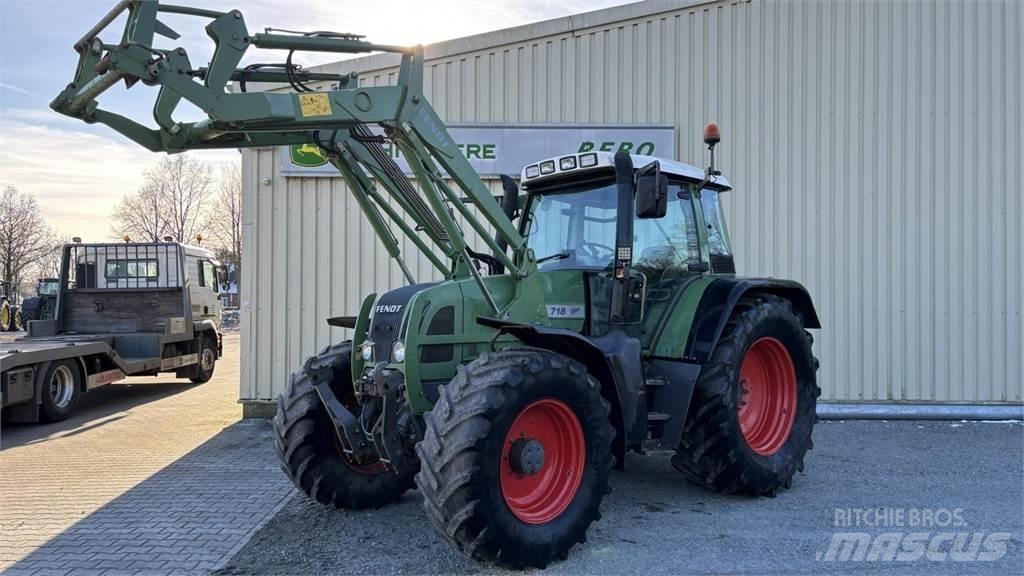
[348, 122]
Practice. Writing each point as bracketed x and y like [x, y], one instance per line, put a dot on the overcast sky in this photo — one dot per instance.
[79, 172]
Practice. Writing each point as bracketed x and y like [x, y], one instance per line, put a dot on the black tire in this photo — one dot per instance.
[462, 458]
[61, 390]
[207, 361]
[6, 316]
[30, 309]
[714, 453]
[306, 444]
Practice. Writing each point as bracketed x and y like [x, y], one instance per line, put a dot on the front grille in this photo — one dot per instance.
[383, 332]
[386, 324]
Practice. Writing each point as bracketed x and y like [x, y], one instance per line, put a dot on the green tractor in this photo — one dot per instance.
[42, 306]
[602, 315]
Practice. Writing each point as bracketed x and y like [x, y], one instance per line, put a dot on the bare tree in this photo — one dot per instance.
[225, 217]
[48, 266]
[170, 202]
[25, 237]
[140, 215]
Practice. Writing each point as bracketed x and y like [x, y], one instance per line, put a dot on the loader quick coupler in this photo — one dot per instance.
[346, 425]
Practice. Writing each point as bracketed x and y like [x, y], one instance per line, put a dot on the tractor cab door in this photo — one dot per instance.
[572, 231]
[666, 254]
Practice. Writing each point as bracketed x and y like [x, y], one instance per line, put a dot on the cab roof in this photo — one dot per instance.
[559, 167]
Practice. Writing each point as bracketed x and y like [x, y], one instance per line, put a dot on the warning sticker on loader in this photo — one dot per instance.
[315, 104]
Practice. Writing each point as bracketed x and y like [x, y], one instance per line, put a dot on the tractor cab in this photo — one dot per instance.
[571, 219]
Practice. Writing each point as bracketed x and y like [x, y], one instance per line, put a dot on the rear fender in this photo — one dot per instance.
[614, 361]
[719, 300]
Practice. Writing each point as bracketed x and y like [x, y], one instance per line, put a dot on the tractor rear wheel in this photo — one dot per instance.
[516, 457]
[311, 454]
[754, 403]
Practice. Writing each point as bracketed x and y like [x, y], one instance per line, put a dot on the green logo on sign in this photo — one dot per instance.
[307, 155]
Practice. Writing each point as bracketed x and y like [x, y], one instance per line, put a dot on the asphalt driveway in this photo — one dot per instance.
[870, 491]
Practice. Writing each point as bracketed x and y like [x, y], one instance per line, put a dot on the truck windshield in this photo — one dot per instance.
[574, 228]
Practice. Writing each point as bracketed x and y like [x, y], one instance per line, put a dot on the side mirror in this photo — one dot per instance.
[651, 192]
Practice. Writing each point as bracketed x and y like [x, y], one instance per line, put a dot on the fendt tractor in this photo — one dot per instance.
[601, 316]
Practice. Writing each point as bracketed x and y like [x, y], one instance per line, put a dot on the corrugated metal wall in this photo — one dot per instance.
[875, 148]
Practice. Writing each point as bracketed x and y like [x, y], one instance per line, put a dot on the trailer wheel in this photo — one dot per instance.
[516, 457]
[754, 403]
[311, 455]
[61, 389]
[207, 361]
[6, 320]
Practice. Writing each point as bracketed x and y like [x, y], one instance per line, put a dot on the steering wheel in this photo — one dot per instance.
[596, 251]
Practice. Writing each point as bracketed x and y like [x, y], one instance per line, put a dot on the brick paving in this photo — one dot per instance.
[156, 477]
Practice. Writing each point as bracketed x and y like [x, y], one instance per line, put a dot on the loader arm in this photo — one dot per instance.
[337, 120]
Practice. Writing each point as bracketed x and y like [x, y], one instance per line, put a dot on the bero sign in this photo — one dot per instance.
[494, 149]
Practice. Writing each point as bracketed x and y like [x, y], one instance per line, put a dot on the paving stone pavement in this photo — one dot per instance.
[156, 477]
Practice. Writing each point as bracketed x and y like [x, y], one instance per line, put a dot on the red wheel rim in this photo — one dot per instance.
[541, 497]
[768, 396]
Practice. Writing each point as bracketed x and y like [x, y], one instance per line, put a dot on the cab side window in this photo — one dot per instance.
[208, 275]
[718, 236]
[668, 245]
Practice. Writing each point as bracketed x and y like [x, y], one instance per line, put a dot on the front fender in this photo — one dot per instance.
[613, 359]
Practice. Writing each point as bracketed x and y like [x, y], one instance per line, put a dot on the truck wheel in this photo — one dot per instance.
[310, 453]
[61, 389]
[5, 316]
[515, 460]
[754, 403]
[207, 361]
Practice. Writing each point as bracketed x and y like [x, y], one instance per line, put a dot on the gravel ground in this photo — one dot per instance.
[655, 523]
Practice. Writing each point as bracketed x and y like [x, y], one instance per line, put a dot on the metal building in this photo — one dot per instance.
[875, 148]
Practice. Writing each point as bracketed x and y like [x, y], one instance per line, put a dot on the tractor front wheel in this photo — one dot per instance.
[311, 453]
[754, 403]
[516, 457]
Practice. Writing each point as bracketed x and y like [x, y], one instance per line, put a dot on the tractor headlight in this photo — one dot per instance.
[366, 351]
[398, 352]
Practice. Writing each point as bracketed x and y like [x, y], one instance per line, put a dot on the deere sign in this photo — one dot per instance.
[504, 149]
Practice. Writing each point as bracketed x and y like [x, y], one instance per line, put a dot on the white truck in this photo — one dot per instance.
[125, 309]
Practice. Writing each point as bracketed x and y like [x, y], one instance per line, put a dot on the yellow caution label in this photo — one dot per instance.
[315, 105]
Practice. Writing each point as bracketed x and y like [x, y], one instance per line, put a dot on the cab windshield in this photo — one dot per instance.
[574, 228]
